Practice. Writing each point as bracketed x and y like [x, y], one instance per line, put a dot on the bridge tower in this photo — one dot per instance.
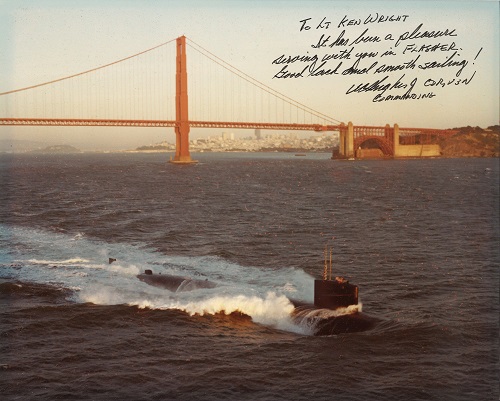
[182, 155]
[346, 140]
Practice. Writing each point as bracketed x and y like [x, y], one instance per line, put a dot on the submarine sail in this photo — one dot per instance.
[333, 293]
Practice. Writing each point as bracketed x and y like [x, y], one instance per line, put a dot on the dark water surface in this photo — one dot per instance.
[419, 237]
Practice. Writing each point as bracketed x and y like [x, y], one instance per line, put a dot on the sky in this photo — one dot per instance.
[454, 81]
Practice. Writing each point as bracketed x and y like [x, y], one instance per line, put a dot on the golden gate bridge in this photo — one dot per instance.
[150, 89]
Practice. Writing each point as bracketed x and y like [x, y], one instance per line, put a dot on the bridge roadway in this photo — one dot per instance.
[163, 123]
[351, 137]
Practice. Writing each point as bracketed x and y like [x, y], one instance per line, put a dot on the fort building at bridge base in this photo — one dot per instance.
[404, 151]
[367, 142]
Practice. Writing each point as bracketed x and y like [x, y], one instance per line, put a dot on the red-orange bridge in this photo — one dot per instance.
[138, 91]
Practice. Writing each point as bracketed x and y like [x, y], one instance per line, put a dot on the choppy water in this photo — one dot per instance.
[419, 237]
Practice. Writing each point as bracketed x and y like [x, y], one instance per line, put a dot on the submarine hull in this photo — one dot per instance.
[352, 323]
[325, 322]
[174, 283]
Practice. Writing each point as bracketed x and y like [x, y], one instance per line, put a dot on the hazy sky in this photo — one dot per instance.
[44, 40]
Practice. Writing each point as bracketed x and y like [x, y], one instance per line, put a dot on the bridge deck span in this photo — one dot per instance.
[162, 123]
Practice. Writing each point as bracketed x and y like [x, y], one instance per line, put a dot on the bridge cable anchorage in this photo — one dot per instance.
[257, 83]
[87, 71]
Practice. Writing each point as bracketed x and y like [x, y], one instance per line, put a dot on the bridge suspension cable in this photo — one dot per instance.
[86, 72]
[265, 89]
[141, 87]
[137, 87]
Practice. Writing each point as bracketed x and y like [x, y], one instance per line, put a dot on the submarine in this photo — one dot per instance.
[335, 309]
[174, 283]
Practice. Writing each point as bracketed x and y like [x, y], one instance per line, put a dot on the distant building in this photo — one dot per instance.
[227, 136]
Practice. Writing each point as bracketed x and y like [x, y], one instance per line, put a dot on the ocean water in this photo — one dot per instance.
[419, 237]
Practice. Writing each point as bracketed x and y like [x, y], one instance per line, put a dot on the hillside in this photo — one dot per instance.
[472, 142]
[58, 149]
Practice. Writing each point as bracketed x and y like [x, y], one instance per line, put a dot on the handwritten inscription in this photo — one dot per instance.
[389, 56]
